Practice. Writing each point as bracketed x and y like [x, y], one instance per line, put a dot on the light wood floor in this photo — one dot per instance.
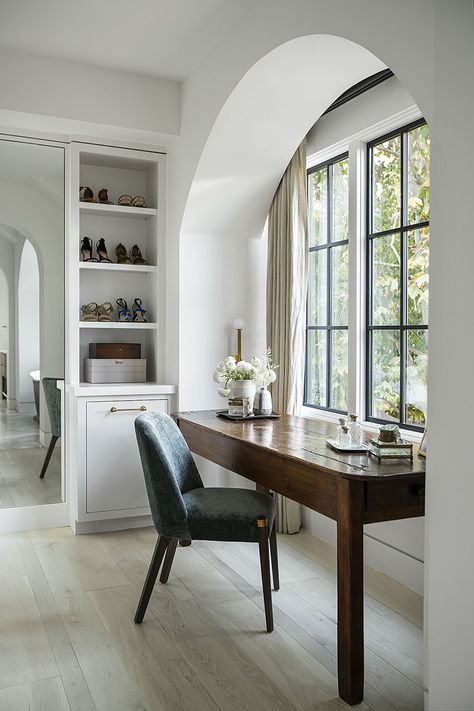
[68, 641]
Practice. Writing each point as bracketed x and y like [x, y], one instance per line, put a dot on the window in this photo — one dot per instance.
[327, 313]
[397, 276]
[385, 377]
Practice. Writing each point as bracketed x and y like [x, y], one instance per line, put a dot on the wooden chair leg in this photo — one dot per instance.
[53, 441]
[274, 557]
[169, 557]
[262, 524]
[160, 550]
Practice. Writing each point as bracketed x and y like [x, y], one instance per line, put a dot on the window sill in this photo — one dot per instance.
[369, 427]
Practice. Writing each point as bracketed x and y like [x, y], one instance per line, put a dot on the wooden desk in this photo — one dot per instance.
[290, 456]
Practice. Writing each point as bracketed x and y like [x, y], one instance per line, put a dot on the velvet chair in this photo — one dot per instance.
[53, 403]
[183, 509]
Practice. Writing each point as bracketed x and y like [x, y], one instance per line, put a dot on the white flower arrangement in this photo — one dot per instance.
[260, 369]
[265, 370]
[228, 369]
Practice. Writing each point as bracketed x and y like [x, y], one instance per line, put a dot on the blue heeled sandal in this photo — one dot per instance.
[138, 312]
[124, 313]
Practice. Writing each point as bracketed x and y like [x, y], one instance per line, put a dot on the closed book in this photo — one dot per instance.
[115, 350]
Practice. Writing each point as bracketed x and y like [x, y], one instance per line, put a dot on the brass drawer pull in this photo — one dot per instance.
[142, 408]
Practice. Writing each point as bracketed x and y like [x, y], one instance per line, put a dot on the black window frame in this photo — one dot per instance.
[402, 230]
[328, 328]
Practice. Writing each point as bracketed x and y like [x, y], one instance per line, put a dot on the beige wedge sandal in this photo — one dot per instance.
[104, 311]
[89, 312]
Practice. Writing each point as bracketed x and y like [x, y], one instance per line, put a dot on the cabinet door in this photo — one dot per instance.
[114, 476]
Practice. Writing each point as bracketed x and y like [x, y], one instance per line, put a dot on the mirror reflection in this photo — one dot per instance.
[31, 322]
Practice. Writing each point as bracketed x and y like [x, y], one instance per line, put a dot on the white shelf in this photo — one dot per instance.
[119, 389]
[121, 325]
[94, 208]
[99, 266]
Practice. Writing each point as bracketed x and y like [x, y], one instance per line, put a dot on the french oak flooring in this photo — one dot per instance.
[68, 641]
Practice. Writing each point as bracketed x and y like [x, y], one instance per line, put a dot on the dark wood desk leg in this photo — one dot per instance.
[350, 590]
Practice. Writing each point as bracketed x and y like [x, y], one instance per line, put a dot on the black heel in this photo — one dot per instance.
[102, 251]
[86, 250]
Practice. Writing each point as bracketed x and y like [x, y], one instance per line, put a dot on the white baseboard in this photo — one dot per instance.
[380, 555]
[30, 518]
[26, 408]
[115, 524]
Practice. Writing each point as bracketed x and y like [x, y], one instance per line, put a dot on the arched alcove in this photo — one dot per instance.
[4, 306]
[28, 324]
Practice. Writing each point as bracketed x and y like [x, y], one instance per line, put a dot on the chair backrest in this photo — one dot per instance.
[53, 403]
[169, 471]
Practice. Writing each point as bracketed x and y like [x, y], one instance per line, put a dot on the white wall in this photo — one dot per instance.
[7, 252]
[4, 304]
[28, 328]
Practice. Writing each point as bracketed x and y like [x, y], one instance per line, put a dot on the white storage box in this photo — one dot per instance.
[110, 370]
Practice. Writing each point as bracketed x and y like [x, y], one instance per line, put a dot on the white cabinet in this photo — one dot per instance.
[114, 476]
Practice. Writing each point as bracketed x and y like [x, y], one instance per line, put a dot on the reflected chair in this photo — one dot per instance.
[53, 403]
[183, 509]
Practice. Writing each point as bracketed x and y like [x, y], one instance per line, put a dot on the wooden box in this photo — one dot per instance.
[115, 350]
[115, 370]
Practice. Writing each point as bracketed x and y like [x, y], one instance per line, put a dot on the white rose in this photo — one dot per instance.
[272, 376]
[223, 392]
[218, 376]
[229, 363]
[244, 367]
[257, 362]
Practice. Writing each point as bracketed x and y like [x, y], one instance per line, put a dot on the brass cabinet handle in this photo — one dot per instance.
[142, 408]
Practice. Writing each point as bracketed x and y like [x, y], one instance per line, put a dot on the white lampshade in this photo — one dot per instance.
[238, 324]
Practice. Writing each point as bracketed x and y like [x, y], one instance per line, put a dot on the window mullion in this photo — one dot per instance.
[329, 288]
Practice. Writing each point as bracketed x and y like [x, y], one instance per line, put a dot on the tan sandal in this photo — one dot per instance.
[104, 197]
[89, 312]
[136, 255]
[104, 311]
[86, 194]
[138, 201]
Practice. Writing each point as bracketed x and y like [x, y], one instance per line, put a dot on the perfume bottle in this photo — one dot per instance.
[339, 433]
[345, 440]
[355, 429]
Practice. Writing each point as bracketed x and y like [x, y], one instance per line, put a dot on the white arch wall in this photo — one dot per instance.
[4, 316]
[28, 326]
[428, 44]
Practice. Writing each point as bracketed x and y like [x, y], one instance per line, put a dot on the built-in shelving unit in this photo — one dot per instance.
[130, 172]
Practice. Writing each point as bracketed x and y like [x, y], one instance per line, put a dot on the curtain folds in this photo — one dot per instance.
[287, 274]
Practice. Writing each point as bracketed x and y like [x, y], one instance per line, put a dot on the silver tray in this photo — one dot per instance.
[353, 448]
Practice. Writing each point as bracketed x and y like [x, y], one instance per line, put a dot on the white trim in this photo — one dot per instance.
[328, 416]
[367, 134]
[29, 518]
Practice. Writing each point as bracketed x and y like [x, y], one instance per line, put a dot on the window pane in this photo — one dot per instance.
[386, 280]
[317, 293]
[316, 357]
[339, 364]
[417, 377]
[386, 375]
[340, 201]
[418, 277]
[419, 175]
[339, 284]
[386, 185]
[318, 207]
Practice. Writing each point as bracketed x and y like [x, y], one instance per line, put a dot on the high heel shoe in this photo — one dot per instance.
[138, 312]
[86, 250]
[104, 311]
[89, 312]
[121, 254]
[124, 313]
[136, 255]
[102, 251]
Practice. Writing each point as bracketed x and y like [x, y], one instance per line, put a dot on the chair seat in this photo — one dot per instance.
[226, 514]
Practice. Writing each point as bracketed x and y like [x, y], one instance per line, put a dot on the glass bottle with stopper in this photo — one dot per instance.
[342, 423]
[355, 429]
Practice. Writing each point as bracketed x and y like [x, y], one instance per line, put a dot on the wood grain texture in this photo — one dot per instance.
[202, 644]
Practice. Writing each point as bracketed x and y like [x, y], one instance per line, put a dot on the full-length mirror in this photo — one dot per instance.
[31, 322]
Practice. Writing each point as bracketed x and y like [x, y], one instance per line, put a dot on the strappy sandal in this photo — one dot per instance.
[124, 313]
[104, 311]
[89, 312]
[121, 254]
[102, 251]
[86, 194]
[86, 250]
[103, 197]
[138, 312]
[125, 200]
[136, 255]
[138, 201]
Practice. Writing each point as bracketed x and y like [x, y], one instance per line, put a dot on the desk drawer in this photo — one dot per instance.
[391, 499]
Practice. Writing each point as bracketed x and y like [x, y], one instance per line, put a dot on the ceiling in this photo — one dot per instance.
[157, 38]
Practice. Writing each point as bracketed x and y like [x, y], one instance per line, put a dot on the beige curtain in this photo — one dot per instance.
[287, 273]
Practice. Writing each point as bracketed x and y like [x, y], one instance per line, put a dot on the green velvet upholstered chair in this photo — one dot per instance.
[53, 403]
[183, 509]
